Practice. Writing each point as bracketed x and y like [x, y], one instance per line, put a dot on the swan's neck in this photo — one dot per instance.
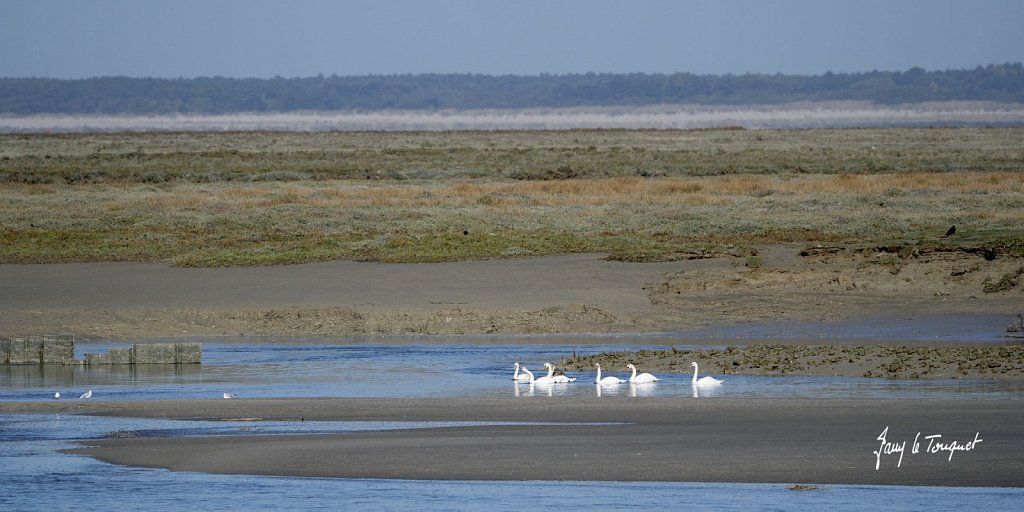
[528, 372]
[551, 371]
[516, 374]
[694, 374]
[599, 373]
[633, 377]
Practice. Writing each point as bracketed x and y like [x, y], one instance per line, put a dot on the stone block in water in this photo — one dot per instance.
[27, 350]
[120, 355]
[61, 349]
[97, 359]
[188, 353]
[156, 353]
[58, 348]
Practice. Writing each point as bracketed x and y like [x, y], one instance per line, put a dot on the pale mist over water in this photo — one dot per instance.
[850, 114]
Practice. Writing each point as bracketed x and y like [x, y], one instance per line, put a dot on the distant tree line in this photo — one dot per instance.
[219, 95]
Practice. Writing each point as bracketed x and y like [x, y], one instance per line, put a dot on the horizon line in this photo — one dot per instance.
[512, 75]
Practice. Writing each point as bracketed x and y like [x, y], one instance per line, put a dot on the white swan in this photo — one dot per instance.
[519, 376]
[557, 379]
[643, 378]
[56, 396]
[87, 395]
[228, 396]
[703, 381]
[607, 381]
[542, 381]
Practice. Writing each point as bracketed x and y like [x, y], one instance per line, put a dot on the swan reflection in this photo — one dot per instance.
[533, 389]
[642, 389]
[607, 390]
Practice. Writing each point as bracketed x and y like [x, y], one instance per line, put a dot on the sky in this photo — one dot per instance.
[301, 38]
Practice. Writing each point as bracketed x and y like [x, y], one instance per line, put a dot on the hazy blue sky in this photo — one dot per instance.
[265, 38]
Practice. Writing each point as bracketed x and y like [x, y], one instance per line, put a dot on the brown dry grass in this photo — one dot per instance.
[632, 217]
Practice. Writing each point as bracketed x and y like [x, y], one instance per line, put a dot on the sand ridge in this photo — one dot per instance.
[581, 293]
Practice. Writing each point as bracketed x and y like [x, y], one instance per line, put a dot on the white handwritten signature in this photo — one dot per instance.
[935, 445]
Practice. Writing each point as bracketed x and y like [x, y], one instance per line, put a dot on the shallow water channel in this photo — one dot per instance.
[38, 477]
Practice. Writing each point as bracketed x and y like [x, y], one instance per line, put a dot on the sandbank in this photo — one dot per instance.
[716, 440]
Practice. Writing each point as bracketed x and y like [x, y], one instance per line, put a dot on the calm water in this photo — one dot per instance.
[37, 477]
[394, 369]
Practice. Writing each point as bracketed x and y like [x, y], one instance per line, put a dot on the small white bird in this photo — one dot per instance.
[87, 395]
[229, 395]
[643, 378]
[56, 396]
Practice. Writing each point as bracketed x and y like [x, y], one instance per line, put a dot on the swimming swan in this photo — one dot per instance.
[607, 381]
[703, 381]
[557, 379]
[542, 381]
[518, 376]
[643, 378]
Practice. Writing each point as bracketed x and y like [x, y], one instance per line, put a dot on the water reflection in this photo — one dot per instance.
[609, 389]
[707, 391]
[643, 389]
[521, 389]
[71, 380]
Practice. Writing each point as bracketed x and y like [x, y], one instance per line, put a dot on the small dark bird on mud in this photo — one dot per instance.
[951, 231]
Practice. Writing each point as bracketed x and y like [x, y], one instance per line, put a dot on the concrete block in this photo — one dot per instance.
[27, 350]
[120, 355]
[155, 353]
[96, 359]
[188, 353]
[58, 348]
[61, 349]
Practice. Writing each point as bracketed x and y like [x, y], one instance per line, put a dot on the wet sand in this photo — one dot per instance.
[580, 293]
[718, 440]
[575, 293]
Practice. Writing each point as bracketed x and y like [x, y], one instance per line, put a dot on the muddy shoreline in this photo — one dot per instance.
[894, 362]
[581, 293]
